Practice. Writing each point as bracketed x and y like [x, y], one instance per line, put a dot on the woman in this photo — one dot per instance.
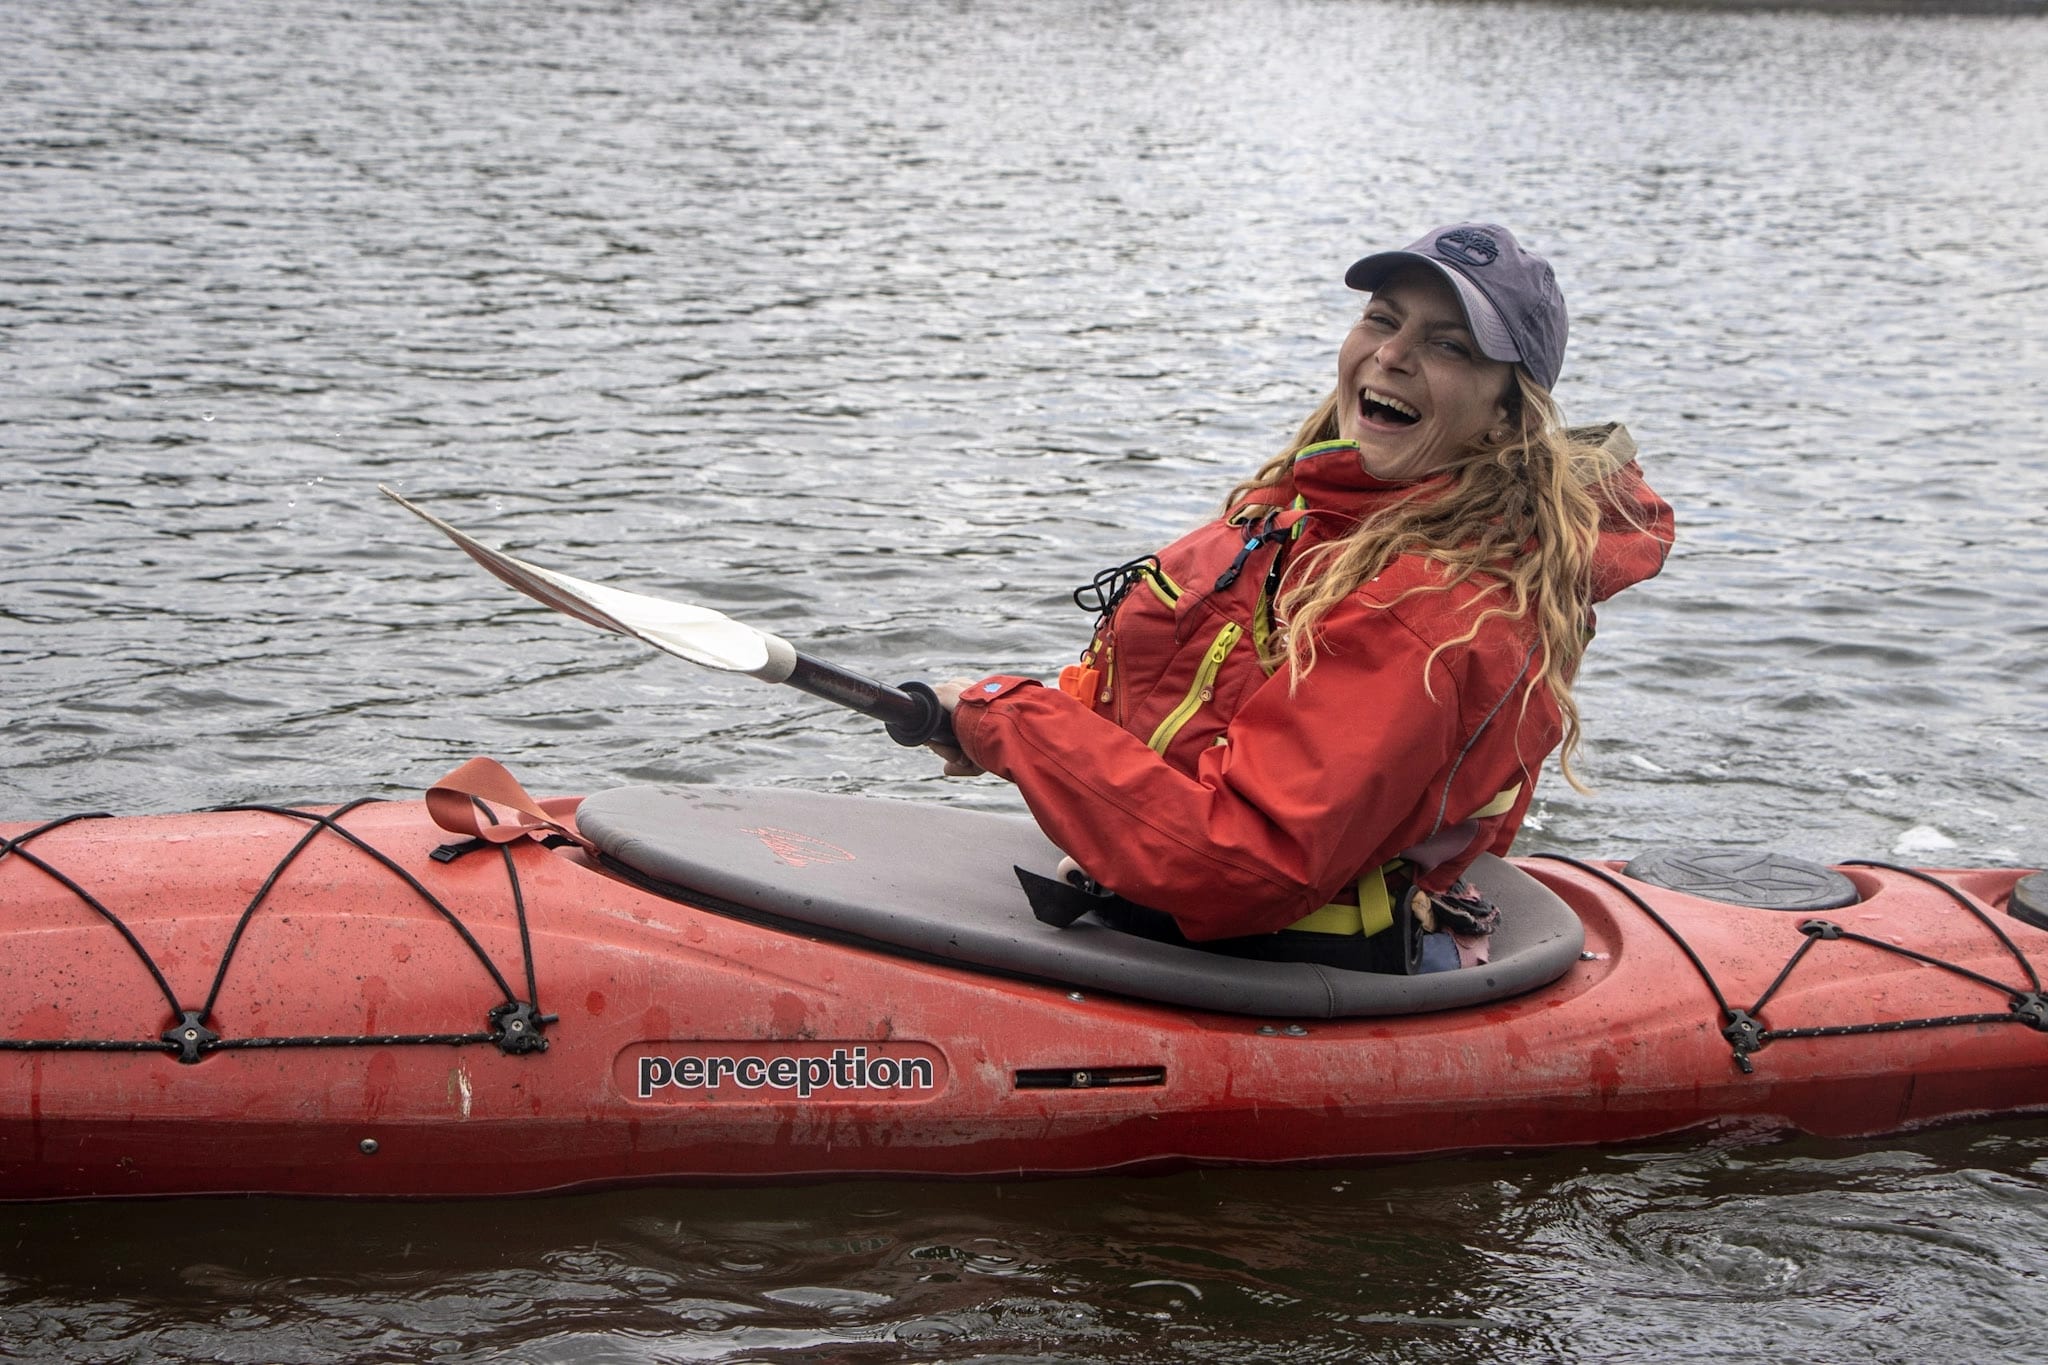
[1353, 676]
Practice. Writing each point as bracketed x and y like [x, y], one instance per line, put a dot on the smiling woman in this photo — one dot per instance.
[1417, 391]
[1297, 726]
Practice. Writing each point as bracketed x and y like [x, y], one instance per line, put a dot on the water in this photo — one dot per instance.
[881, 326]
[1920, 1250]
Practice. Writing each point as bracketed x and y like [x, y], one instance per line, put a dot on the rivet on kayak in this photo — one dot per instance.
[1267, 1031]
[1076, 996]
[1295, 1031]
[368, 1146]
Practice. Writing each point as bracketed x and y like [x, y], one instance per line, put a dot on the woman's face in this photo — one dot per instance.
[1413, 391]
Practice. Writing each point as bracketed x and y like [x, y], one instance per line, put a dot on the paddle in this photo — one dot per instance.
[911, 713]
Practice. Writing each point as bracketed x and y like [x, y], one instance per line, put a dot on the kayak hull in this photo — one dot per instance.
[354, 1049]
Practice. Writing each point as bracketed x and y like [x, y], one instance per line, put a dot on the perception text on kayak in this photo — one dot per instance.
[842, 1071]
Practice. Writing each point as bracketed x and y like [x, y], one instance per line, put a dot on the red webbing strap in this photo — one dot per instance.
[457, 804]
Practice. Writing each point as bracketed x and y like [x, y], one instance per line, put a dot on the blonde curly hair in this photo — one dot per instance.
[1519, 513]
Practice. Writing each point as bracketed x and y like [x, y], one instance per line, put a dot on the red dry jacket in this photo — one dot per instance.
[1193, 782]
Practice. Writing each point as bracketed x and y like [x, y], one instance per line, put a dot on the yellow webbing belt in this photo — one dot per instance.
[1502, 803]
[1375, 908]
[1374, 911]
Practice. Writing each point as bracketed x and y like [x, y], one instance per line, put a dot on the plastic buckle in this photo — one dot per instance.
[448, 853]
[1252, 542]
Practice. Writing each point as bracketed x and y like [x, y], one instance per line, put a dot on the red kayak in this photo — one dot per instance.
[765, 984]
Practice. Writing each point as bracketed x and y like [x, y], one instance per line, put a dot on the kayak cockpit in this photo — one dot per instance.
[936, 882]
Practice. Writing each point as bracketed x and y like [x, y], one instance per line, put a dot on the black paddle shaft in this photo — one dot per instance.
[911, 713]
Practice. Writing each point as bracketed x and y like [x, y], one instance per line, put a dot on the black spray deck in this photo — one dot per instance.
[937, 882]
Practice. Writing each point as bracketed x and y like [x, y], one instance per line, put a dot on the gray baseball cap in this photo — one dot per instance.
[1510, 295]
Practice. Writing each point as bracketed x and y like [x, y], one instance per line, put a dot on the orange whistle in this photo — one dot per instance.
[1081, 682]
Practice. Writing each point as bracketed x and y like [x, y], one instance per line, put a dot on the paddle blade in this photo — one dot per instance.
[698, 634]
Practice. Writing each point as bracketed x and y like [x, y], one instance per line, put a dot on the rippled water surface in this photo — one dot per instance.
[881, 326]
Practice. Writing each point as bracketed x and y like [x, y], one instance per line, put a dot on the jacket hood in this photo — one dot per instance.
[1636, 531]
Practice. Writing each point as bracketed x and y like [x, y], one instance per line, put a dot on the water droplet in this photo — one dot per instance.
[206, 417]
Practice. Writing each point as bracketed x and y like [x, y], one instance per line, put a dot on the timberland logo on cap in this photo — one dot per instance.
[1468, 246]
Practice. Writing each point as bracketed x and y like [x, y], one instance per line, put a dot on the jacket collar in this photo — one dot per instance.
[1330, 476]
[1336, 468]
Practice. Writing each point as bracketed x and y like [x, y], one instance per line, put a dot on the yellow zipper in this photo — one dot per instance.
[1163, 588]
[1200, 691]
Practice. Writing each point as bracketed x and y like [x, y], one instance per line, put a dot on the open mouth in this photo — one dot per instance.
[1385, 410]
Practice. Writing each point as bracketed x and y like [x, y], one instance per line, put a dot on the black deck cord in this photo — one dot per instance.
[18, 847]
[513, 1017]
[1798, 956]
[262, 893]
[525, 938]
[1604, 875]
[1746, 1032]
[356, 1040]
[2033, 978]
[327, 822]
[518, 895]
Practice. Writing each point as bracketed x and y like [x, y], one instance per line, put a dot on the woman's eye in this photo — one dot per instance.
[1456, 348]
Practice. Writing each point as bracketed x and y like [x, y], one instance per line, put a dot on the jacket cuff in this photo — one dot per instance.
[973, 707]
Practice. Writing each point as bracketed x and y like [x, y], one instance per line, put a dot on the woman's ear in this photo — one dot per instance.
[1507, 412]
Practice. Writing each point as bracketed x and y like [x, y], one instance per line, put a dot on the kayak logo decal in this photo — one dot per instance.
[741, 1072]
[798, 850]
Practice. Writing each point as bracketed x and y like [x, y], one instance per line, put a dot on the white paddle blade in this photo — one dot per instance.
[698, 634]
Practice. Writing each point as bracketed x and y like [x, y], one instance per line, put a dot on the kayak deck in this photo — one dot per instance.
[938, 883]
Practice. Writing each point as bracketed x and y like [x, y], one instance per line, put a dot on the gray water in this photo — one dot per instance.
[883, 325]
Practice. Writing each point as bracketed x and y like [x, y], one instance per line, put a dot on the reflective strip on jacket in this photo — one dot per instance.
[1193, 782]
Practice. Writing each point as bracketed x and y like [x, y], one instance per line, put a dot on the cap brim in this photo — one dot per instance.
[1481, 316]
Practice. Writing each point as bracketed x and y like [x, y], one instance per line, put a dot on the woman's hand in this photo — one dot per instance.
[958, 764]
